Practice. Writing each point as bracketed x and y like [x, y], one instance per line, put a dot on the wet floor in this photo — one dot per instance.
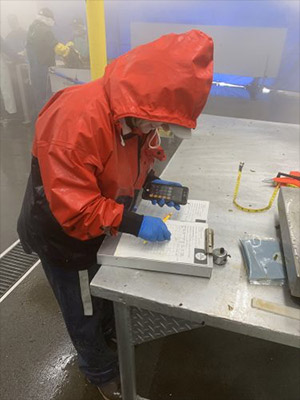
[37, 361]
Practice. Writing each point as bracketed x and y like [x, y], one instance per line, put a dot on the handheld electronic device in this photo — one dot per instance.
[157, 191]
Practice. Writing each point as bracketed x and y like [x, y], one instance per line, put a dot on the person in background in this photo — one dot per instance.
[80, 40]
[16, 41]
[7, 98]
[41, 47]
[16, 38]
[94, 149]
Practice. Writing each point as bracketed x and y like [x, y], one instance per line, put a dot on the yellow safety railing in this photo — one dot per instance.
[97, 38]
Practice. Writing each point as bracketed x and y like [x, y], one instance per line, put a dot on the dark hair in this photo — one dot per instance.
[46, 12]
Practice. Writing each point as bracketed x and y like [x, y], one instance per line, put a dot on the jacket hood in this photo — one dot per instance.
[167, 80]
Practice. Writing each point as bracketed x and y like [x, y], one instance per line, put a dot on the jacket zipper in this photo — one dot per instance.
[140, 144]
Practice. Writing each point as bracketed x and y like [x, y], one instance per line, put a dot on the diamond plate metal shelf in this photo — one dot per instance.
[149, 325]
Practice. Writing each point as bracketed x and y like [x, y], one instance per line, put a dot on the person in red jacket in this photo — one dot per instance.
[94, 149]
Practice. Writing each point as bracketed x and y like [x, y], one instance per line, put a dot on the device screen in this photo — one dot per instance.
[177, 192]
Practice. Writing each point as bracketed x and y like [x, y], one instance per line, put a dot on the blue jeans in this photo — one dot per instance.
[96, 360]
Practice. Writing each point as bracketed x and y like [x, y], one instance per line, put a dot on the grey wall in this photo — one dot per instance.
[238, 50]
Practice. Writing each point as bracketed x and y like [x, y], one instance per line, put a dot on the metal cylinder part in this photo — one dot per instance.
[209, 240]
[220, 256]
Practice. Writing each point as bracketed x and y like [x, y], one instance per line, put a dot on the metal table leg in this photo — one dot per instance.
[132, 325]
[125, 351]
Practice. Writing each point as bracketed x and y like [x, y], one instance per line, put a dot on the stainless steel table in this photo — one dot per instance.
[149, 304]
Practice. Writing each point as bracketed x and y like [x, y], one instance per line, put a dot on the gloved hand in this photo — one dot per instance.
[154, 230]
[162, 202]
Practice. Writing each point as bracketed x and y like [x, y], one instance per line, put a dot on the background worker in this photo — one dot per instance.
[80, 41]
[42, 46]
[16, 38]
[15, 41]
[94, 149]
[8, 105]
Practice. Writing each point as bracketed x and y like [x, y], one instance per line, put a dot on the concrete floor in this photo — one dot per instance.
[15, 149]
[37, 361]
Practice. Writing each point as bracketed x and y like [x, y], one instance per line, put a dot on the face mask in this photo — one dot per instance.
[46, 20]
[180, 131]
[146, 126]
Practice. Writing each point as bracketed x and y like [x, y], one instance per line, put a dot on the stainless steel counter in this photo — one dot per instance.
[208, 164]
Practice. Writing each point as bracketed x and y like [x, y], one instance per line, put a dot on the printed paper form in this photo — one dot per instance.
[186, 245]
[193, 211]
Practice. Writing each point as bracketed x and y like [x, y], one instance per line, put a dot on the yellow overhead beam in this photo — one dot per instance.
[97, 38]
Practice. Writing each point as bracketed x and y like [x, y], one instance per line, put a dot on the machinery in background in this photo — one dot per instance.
[61, 77]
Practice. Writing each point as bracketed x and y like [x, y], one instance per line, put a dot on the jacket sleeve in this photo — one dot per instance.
[75, 199]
